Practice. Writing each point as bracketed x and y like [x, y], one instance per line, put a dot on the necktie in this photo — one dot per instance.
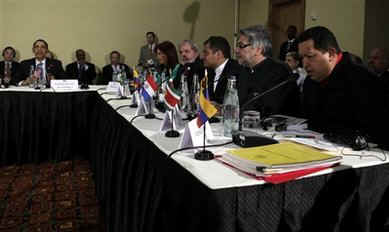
[39, 70]
[289, 46]
[7, 70]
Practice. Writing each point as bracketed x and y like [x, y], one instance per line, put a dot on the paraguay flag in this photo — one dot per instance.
[149, 88]
[207, 110]
[172, 96]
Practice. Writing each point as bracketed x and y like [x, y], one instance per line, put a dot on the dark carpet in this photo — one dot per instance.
[48, 197]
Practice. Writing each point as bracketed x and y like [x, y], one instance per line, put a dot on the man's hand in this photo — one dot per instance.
[50, 77]
[7, 80]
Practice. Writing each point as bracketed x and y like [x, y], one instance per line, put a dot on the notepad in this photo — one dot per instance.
[278, 158]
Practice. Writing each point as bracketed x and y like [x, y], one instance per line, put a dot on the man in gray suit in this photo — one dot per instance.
[148, 55]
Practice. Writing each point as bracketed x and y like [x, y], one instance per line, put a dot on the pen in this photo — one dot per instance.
[306, 136]
[301, 136]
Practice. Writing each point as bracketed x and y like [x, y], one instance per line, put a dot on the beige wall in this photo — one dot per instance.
[1, 21]
[345, 18]
[100, 26]
[376, 30]
[253, 12]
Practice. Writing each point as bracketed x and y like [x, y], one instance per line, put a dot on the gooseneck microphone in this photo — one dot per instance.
[252, 139]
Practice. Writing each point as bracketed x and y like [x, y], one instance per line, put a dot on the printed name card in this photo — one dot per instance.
[59, 85]
[194, 136]
[169, 119]
[113, 86]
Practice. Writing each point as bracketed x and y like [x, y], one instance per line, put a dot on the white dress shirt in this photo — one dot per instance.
[218, 72]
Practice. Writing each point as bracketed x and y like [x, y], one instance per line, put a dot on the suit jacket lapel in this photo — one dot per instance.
[222, 82]
[2, 68]
[211, 82]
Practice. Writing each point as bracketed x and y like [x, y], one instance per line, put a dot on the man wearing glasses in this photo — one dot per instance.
[253, 50]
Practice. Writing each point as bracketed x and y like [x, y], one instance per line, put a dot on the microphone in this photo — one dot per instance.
[252, 139]
[83, 77]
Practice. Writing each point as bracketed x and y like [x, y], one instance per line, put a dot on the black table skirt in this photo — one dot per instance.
[140, 189]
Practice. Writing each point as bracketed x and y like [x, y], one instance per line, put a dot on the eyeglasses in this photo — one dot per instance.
[241, 45]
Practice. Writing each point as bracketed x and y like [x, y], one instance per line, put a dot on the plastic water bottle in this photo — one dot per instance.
[231, 108]
[124, 74]
[195, 94]
[185, 106]
[114, 76]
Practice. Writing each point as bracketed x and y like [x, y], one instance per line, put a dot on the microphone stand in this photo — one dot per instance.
[204, 154]
[248, 138]
[84, 83]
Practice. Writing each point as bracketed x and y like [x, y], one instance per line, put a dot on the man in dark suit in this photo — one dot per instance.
[217, 58]
[148, 55]
[291, 44]
[264, 73]
[115, 67]
[84, 71]
[378, 62]
[9, 67]
[50, 69]
[340, 97]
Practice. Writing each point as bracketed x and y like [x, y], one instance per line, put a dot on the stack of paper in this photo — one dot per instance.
[279, 159]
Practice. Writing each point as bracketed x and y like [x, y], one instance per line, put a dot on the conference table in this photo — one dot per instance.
[141, 189]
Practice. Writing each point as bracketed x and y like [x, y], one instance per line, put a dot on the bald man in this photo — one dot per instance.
[81, 67]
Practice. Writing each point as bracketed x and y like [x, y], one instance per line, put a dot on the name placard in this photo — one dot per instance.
[113, 86]
[64, 84]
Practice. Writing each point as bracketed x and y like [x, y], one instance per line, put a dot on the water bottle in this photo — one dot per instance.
[115, 75]
[231, 108]
[124, 74]
[33, 84]
[163, 80]
[185, 93]
[195, 94]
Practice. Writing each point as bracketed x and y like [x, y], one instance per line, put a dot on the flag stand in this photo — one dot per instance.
[204, 154]
[172, 133]
[149, 115]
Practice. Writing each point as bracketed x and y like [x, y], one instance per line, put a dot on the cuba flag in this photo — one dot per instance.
[206, 110]
[149, 88]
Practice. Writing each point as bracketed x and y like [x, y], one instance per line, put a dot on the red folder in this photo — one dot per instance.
[283, 177]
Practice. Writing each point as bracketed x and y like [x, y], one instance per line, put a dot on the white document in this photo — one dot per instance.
[179, 123]
[59, 85]
[113, 86]
[169, 119]
[194, 136]
[166, 123]
[142, 107]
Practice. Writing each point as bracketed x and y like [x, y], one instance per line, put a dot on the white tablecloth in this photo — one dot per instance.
[212, 173]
